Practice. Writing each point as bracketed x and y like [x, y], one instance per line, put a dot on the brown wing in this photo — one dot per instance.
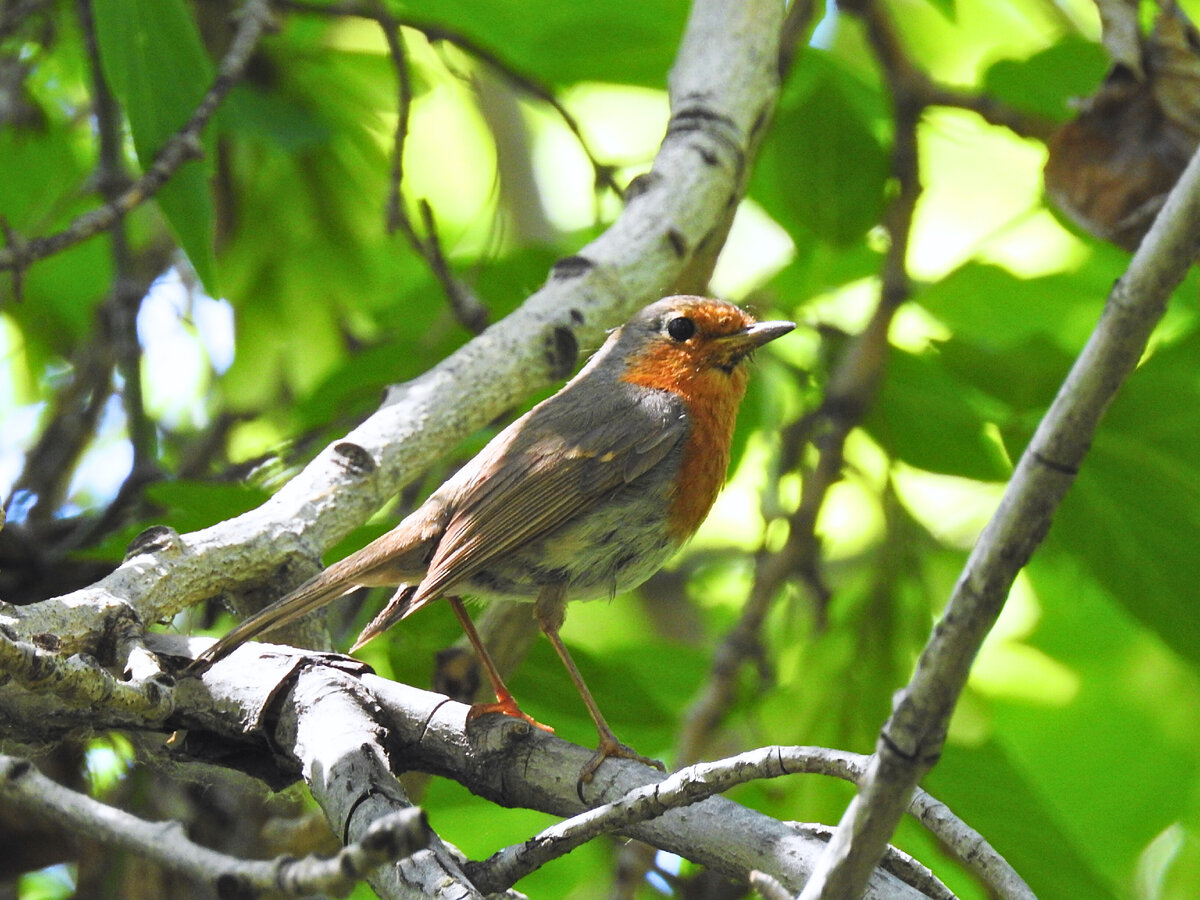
[557, 462]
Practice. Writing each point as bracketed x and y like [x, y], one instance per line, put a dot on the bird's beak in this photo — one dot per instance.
[733, 348]
[754, 336]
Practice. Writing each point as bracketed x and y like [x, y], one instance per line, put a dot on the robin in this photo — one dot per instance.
[586, 495]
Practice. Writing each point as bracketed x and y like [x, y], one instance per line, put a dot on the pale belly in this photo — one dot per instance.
[597, 555]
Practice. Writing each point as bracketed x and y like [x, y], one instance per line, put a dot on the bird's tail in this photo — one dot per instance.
[319, 590]
[398, 557]
[399, 607]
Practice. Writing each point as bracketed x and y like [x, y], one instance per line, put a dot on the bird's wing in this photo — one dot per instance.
[543, 476]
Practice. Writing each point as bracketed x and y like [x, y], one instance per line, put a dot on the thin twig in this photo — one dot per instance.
[393, 837]
[254, 18]
[397, 215]
[991, 110]
[701, 781]
[434, 32]
[855, 382]
[121, 310]
[467, 308]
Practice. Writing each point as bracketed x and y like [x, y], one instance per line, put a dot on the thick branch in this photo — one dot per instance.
[79, 682]
[912, 739]
[347, 731]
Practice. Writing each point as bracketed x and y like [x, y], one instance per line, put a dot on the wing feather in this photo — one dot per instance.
[542, 479]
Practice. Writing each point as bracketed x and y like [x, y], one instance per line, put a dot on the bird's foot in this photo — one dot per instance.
[505, 706]
[610, 746]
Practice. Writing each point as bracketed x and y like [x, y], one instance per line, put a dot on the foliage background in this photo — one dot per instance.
[1076, 750]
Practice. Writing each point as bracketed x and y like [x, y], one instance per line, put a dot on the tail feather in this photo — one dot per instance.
[398, 557]
[397, 608]
[313, 594]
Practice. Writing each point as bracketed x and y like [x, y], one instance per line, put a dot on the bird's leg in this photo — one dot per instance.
[551, 611]
[505, 703]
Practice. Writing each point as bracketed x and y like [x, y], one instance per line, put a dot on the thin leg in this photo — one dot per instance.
[504, 700]
[551, 610]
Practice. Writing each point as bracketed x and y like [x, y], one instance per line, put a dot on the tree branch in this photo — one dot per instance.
[80, 682]
[911, 740]
[698, 782]
[399, 835]
[346, 731]
[275, 712]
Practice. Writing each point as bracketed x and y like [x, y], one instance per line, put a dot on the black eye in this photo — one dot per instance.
[681, 328]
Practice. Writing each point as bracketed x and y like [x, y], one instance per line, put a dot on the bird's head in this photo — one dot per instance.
[679, 339]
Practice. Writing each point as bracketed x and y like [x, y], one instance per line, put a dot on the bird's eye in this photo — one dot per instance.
[681, 328]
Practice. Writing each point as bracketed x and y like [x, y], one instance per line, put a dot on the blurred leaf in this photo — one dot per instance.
[1047, 81]
[1136, 501]
[991, 305]
[605, 40]
[49, 166]
[984, 788]
[62, 291]
[272, 116]
[925, 416]
[192, 505]
[61, 294]
[155, 63]
[947, 8]
[183, 505]
[1024, 376]
[1133, 699]
[823, 168]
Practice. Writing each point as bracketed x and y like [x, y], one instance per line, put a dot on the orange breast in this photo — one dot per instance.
[712, 397]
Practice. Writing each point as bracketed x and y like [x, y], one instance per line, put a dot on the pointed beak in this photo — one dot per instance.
[754, 336]
[733, 348]
[761, 332]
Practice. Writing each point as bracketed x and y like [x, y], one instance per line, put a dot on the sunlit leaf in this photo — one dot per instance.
[1131, 512]
[1046, 82]
[607, 40]
[928, 418]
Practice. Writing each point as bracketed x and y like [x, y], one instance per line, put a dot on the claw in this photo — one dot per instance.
[610, 746]
[505, 706]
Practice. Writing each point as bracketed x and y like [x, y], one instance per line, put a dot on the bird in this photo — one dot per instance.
[585, 496]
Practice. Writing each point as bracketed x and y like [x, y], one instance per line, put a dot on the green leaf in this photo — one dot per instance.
[928, 418]
[824, 169]
[1025, 376]
[1047, 81]
[1121, 695]
[1134, 510]
[987, 789]
[192, 505]
[155, 63]
[995, 307]
[565, 43]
